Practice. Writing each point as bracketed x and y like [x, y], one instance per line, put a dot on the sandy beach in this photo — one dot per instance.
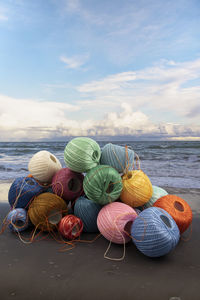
[40, 271]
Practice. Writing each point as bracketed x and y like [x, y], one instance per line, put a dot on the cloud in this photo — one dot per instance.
[22, 118]
[3, 14]
[74, 62]
[165, 87]
[3, 17]
[26, 119]
[125, 32]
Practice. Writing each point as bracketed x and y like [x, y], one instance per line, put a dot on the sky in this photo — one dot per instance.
[107, 69]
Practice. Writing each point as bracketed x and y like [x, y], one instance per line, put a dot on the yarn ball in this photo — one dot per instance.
[87, 211]
[178, 208]
[114, 222]
[17, 219]
[82, 154]
[154, 232]
[46, 210]
[118, 157]
[137, 188]
[158, 192]
[22, 191]
[67, 184]
[70, 227]
[43, 165]
[102, 184]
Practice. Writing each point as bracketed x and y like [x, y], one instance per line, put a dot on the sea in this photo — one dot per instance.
[166, 163]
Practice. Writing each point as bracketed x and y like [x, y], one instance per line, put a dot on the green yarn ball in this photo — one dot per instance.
[158, 192]
[102, 184]
[82, 154]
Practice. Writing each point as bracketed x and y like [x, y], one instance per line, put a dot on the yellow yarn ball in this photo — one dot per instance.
[137, 188]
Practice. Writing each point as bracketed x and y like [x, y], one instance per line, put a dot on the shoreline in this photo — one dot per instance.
[5, 186]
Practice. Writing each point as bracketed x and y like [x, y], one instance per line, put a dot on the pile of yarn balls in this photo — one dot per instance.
[99, 190]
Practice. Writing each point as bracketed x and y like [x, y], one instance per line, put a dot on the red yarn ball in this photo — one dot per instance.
[70, 227]
[67, 184]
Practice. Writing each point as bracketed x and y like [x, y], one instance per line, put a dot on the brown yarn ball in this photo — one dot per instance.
[46, 210]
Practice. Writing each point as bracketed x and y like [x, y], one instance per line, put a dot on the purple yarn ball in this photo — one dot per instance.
[67, 184]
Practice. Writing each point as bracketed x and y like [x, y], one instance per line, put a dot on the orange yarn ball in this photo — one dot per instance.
[46, 211]
[178, 208]
[137, 188]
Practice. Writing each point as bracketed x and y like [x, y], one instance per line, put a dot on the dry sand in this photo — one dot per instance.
[4, 188]
[41, 271]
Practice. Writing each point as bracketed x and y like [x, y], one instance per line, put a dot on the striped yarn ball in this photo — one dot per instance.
[67, 184]
[158, 192]
[102, 184]
[114, 222]
[137, 188]
[70, 227]
[43, 165]
[87, 211]
[117, 157]
[154, 232]
[22, 192]
[178, 208]
[82, 154]
[46, 211]
[18, 220]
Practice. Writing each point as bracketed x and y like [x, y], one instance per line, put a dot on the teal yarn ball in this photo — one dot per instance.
[82, 154]
[102, 184]
[118, 157]
[154, 232]
[87, 211]
[158, 192]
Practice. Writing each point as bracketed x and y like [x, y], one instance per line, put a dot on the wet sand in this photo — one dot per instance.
[41, 271]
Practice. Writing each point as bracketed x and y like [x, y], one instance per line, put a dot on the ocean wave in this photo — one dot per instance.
[14, 169]
[176, 146]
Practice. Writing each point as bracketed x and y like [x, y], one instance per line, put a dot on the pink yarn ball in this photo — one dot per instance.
[67, 184]
[114, 220]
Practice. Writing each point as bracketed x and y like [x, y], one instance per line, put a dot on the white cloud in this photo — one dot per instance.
[3, 17]
[165, 87]
[25, 119]
[17, 116]
[3, 14]
[74, 62]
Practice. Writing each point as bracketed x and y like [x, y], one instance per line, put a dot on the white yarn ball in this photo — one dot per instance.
[43, 165]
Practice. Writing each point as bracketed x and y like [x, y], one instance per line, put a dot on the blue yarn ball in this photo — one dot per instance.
[87, 211]
[155, 232]
[116, 157]
[22, 191]
[18, 219]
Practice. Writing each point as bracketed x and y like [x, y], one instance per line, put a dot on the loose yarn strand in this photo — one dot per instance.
[124, 242]
[113, 258]
[20, 194]
[137, 161]
[145, 228]
[56, 189]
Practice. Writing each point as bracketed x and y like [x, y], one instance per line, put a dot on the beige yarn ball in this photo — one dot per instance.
[43, 165]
